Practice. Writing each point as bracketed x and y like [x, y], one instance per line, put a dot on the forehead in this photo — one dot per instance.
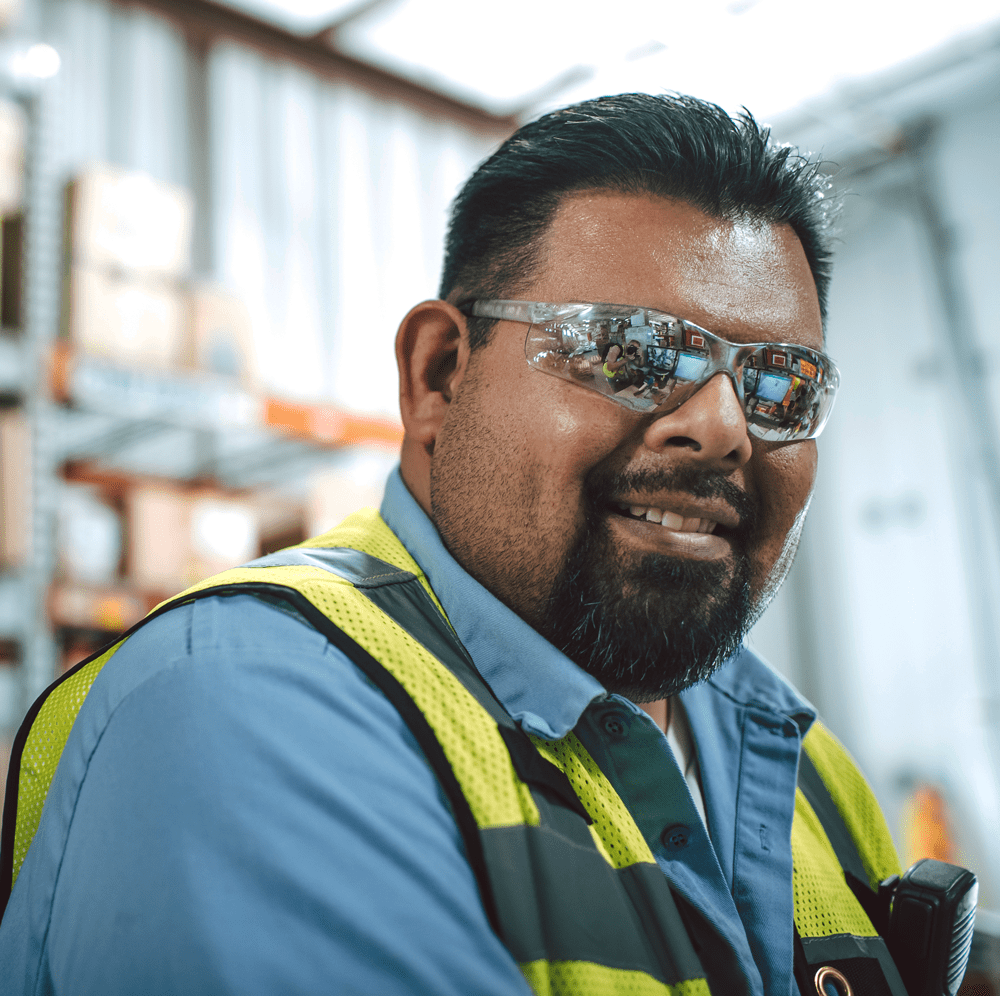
[746, 280]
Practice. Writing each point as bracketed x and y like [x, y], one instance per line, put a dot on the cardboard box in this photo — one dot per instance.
[220, 335]
[10, 13]
[177, 537]
[224, 533]
[132, 320]
[158, 530]
[128, 220]
[15, 488]
[12, 133]
[90, 536]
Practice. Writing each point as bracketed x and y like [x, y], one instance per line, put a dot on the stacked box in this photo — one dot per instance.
[220, 335]
[125, 220]
[90, 536]
[177, 537]
[15, 494]
[134, 322]
[10, 13]
[12, 130]
[129, 248]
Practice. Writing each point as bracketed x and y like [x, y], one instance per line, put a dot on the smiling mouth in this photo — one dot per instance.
[668, 520]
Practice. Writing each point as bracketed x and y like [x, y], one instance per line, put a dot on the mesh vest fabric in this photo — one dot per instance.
[43, 748]
[816, 871]
[584, 979]
[855, 802]
[482, 765]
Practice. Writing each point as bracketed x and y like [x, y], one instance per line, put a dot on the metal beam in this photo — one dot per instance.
[328, 34]
[205, 23]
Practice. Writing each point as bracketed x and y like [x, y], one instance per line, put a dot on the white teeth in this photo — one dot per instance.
[669, 519]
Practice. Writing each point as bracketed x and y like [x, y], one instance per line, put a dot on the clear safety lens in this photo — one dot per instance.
[650, 362]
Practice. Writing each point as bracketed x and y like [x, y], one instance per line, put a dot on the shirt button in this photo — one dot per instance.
[676, 837]
[613, 725]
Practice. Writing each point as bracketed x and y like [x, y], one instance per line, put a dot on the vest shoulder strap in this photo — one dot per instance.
[847, 808]
[398, 589]
[399, 594]
[815, 790]
[847, 935]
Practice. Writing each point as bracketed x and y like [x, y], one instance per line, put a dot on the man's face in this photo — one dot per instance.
[537, 484]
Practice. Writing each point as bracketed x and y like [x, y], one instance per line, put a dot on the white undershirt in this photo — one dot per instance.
[682, 744]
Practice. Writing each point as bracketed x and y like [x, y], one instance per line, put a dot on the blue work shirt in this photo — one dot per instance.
[239, 810]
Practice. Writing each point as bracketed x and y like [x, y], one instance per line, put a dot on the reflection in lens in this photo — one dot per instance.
[785, 405]
[655, 367]
[690, 366]
[771, 387]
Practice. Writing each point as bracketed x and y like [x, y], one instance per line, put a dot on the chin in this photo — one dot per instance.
[649, 626]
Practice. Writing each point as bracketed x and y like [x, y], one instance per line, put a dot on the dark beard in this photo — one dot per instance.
[651, 626]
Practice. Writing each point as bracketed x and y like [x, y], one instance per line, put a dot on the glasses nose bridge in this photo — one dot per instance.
[726, 358]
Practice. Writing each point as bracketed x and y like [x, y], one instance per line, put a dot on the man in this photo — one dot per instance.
[301, 778]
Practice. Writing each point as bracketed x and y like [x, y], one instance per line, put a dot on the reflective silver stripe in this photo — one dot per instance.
[560, 902]
[401, 596]
[843, 947]
[556, 897]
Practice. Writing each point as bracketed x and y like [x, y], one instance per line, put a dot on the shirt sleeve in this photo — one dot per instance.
[251, 817]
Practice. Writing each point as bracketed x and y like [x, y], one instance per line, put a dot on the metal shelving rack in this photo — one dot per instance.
[85, 413]
[86, 420]
[23, 359]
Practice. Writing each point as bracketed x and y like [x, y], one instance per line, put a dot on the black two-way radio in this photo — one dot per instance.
[924, 919]
[929, 916]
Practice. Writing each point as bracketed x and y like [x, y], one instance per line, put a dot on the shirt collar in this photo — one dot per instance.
[747, 680]
[537, 684]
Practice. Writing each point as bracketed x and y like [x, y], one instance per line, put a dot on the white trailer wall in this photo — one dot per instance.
[890, 619]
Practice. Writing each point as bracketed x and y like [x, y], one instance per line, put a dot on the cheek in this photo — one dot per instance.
[566, 424]
[785, 476]
[569, 428]
[574, 424]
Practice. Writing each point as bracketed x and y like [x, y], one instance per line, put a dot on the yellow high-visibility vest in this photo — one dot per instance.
[567, 879]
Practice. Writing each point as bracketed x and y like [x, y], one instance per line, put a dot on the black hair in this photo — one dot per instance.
[633, 143]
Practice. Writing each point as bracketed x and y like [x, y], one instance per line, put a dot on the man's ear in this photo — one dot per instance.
[432, 352]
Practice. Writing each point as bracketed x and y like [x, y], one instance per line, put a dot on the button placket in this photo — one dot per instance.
[676, 837]
[613, 725]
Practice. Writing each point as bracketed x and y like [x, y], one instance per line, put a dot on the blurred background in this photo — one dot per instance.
[214, 216]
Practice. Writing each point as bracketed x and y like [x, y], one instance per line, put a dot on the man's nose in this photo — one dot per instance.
[710, 424]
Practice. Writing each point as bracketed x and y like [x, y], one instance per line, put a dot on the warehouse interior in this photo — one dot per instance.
[214, 216]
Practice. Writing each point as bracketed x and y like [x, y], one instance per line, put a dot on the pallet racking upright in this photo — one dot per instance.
[89, 416]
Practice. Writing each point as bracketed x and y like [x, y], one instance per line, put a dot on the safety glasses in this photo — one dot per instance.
[648, 361]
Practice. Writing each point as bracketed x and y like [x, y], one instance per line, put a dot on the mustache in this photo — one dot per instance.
[602, 486]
